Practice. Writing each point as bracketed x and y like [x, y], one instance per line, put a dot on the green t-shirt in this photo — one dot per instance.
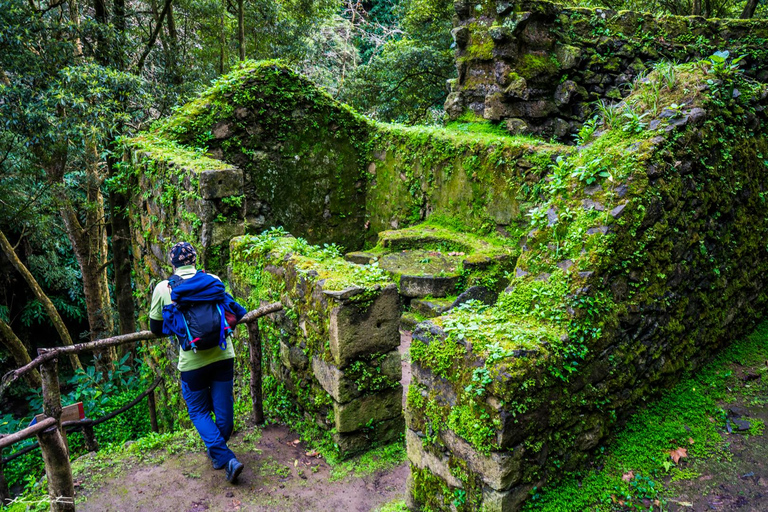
[188, 360]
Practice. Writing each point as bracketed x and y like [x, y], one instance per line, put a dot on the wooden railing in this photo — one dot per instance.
[51, 431]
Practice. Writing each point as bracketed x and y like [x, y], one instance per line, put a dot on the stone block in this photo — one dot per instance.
[431, 307]
[424, 459]
[359, 412]
[506, 501]
[344, 389]
[499, 470]
[221, 183]
[293, 357]
[381, 433]
[357, 329]
[421, 286]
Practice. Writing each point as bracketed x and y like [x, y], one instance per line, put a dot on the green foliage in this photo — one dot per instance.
[405, 80]
[690, 411]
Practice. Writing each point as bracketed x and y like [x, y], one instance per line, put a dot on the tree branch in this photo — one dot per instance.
[153, 37]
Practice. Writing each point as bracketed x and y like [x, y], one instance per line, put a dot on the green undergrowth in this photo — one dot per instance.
[690, 416]
[378, 459]
[316, 262]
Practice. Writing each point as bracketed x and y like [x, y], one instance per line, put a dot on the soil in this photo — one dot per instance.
[736, 477]
[279, 475]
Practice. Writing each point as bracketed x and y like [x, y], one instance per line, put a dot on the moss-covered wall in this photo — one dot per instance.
[648, 255]
[321, 171]
[538, 66]
[482, 183]
[332, 352]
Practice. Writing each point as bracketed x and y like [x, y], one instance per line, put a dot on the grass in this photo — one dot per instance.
[378, 459]
[690, 415]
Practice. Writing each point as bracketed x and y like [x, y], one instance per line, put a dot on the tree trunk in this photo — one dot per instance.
[254, 346]
[223, 37]
[74, 17]
[18, 352]
[50, 309]
[173, 46]
[89, 243]
[696, 8]
[241, 29]
[61, 487]
[749, 9]
[121, 254]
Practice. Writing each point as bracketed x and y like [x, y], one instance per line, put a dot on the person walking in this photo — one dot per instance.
[193, 306]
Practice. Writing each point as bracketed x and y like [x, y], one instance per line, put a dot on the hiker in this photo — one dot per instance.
[194, 307]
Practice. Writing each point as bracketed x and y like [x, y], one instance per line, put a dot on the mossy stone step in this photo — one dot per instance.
[423, 273]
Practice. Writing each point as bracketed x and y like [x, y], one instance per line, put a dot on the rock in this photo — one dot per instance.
[382, 432]
[293, 357]
[599, 229]
[344, 294]
[621, 190]
[593, 189]
[737, 412]
[431, 308]
[696, 115]
[221, 130]
[423, 459]
[460, 36]
[517, 88]
[564, 92]
[454, 106]
[741, 425]
[516, 126]
[617, 212]
[356, 330]
[551, 216]
[344, 389]
[357, 413]
[422, 286]
[221, 183]
[495, 501]
[520, 272]
[589, 204]
[565, 264]
[499, 470]
[480, 293]
[567, 56]
[360, 257]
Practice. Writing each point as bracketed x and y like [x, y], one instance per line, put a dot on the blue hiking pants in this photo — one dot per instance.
[209, 390]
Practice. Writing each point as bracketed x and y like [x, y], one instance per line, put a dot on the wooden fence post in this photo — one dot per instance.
[152, 410]
[90, 439]
[4, 492]
[254, 341]
[61, 487]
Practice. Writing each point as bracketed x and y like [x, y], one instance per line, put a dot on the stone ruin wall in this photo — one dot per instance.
[540, 68]
[334, 352]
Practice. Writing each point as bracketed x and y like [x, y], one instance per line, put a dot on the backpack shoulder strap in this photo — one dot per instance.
[174, 280]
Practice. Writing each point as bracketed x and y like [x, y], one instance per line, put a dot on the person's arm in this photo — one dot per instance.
[160, 297]
[156, 326]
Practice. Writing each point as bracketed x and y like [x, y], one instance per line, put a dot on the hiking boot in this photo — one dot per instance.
[234, 468]
[213, 462]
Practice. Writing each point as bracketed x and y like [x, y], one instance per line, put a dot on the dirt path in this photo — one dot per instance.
[278, 475]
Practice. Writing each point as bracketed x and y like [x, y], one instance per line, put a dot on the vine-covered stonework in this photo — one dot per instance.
[333, 349]
[539, 67]
[645, 258]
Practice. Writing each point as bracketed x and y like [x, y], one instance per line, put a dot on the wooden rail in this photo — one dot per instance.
[51, 431]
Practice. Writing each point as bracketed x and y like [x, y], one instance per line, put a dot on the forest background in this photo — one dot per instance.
[77, 75]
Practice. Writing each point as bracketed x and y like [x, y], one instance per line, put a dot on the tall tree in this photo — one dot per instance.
[50, 309]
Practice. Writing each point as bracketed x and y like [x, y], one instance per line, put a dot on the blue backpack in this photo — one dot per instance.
[197, 315]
